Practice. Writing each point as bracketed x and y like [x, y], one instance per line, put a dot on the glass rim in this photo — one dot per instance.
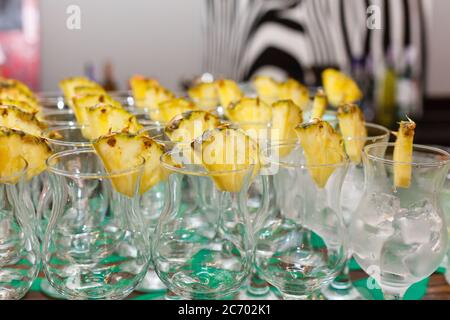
[342, 163]
[206, 172]
[57, 123]
[66, 143]
[415, 148]
[87, 176]
[18, 175]
[371, 138]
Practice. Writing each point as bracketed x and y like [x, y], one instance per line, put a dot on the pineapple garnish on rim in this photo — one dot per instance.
[149, 93]
[69, 85]
[319, 105]
[323, 149]
[17, 95]
[204, 95]
[188, 126]
[227, 153]
[106, 118]
[14, 118]
[353, 129]
[14, 145]
[22, 105]
[340, 88]
[266, 88]
[169, 109]
[229, 92]
[122, 151]
[403, 154]
[286, 116]
[295, 91]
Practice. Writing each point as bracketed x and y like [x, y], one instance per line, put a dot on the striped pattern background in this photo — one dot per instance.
[288, 37]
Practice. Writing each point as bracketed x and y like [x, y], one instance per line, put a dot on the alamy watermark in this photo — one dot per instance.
[73, 21]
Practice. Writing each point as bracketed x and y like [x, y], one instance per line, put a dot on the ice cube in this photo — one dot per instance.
[425, 260]
[379, 208]
[393, 254]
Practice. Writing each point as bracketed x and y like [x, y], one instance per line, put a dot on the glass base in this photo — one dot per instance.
[48, 290]
[172, 296]
[151, 283]
[246, 294]
[344, 292]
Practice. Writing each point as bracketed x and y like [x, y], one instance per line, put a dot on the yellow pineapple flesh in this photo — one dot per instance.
[323, 149]
[267, 89]
[319, 105]
[403, 154]
[353, 129]
[229, 92]
[295, 91]
[123, 151]
[22, 105]
[286, 116]
[14, 118]
[17, 95]
[340, 88]
[204, 95]
[105, 118]
[171, 108]
[227, 154]
[16, 145]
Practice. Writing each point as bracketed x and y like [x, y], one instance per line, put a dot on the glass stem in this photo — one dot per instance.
[342, 281]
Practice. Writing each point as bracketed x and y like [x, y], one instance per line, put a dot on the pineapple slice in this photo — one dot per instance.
[322, 148]
[20, 86]
[226, 153]
[229, 92]
[120, 151]
[403, 154]
[353, 129]
[340, 88]
[169, 109]
[139, 85]
[286, 116]
[14, 118]
[69, 85]
[148, 93]
[319, 105]
[267, 89]
[22, 105]
[16, 144]
[204, 95]
[104, 119]
[295, 91]
[190, 125]
[17, 95]
[81, 103]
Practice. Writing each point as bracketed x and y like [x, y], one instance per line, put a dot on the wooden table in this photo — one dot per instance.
[438, 289]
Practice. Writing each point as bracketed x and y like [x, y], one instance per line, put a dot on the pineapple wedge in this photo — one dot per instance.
[17, 95]
[226, 153]
[14, 118]
[171, 108]
[16, 144]
[22, 105]
[139, 85]
[186, 127]
[20, 86]
[104, 119]
[120, 151]
[204, 95]
[148, 93]
[229, 92]
[81, 103]
[286, 116]
[295, 91]
[340, 88]
[267, 89]
[319, 105]
[353, 129]
[69, 85]
[322, 149]
[403, 154]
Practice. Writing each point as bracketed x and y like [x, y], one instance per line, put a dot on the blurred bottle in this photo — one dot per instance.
[109, 82]
[89, 71]
[386, 94]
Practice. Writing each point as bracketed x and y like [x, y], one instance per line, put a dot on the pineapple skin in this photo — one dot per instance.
[403, 154]
[353, 128]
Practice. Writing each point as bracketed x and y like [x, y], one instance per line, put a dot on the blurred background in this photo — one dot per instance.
[398, 50]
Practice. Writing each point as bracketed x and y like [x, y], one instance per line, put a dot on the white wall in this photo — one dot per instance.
[158, 38]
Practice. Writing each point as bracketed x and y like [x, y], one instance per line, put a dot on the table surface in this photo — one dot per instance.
[438, 288]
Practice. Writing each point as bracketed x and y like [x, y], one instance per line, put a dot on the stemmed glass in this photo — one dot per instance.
[285, 256]
[352, 190]
[96, 245]
[399, 235]
[19, 247]
[198, 254]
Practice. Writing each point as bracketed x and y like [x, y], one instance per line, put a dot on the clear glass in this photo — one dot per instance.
[96, 245]
[301, 244]
[58, 118]
[19, 247]
[202, 254]
[399, 235]
[352, 191]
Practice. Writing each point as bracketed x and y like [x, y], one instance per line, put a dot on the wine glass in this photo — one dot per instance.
[96, 245]
[19, 247]
[352, 190]
[285, 255]
[399, 234]
[198, 254]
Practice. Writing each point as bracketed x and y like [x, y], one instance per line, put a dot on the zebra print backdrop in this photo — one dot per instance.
[292, 37]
